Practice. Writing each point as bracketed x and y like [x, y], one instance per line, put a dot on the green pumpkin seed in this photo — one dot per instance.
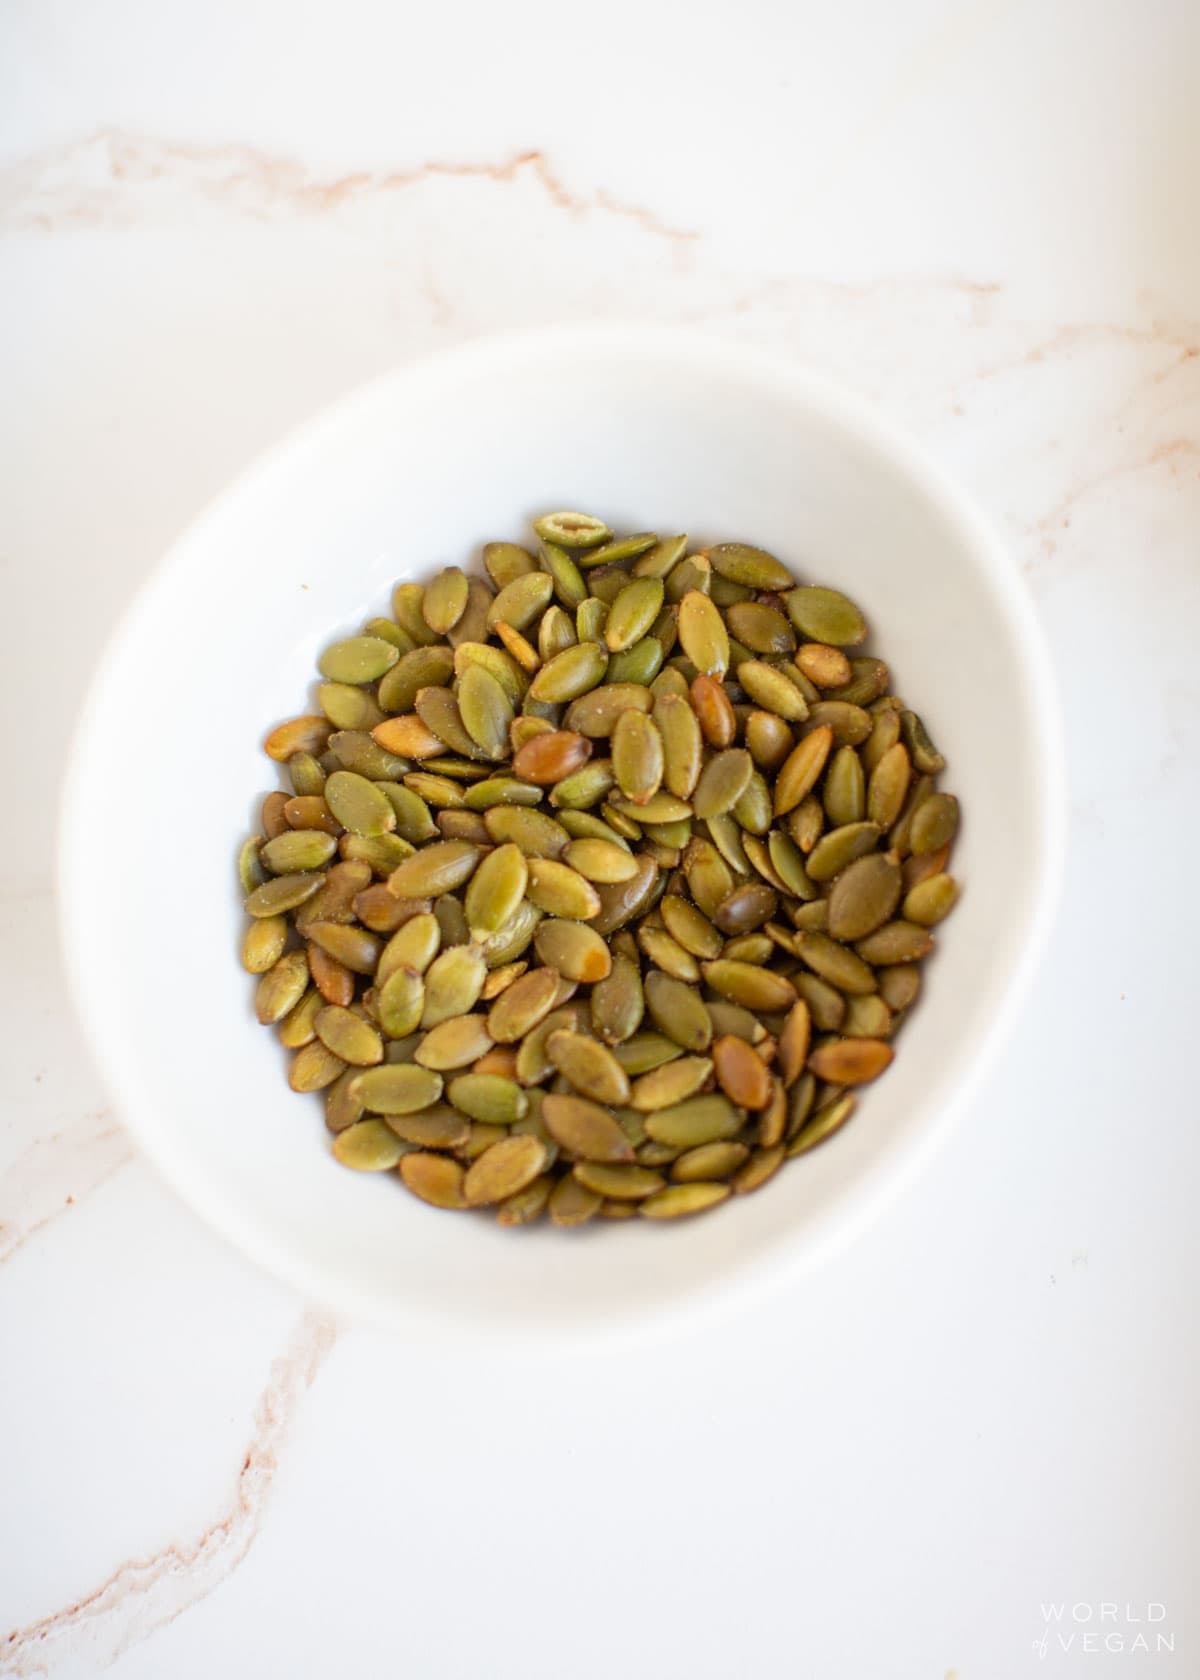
[596, 713]
[505, 561]
[488, 1097]
[264, 943]
[839, 848]
[671, 1083]
[686, 1125]
[925, 756]
[496, 662]
[369, 1146]
[436, 869]
[806, 823]
[632, 613]
[702, 633]
[850, 725]
[644, 1052]
[662, 558]
[637, 756]
[504, 1169]
[302, 849]
[864, 896]
[281, 987]
[576, 530]
[559, 890]
[753, 567]
[640, 663]
[885, 734]
[400, 1001]
[745, 909]
[533, 832]
[845, 788]
[929, 901]
[358, 804]
[249, 869]
[358, 659]
[825, 615]
[617, 1002]
[528, 1205]
[722, 783]
[569, 587]
[771, 688]
[341, 1109]
[348, 707]
[445, 599]
[424, 667]
[826, 1005]
[692, 930]
[835, 963]
[591, 617]
[314, 1067]
[496, 890]
[934, 825]
[439, 711]
[436, 1127]
[513, 939]
[678, 1011]
[283, 893]
[355, 750]
[604, 861]
[895, 942]
[353, 947]
[753, 988]
[867, 681]
[586, 787]
[621, 1183]
[693, 573]
[381, 853]
[402, 1089]
[570, 673]
[408, 611]
[899, 985]
[822, 1125]
[349, 1036]
[867, 1017]
[682, 746]
[752, 810]
[589, 1066]
[711, 1162]
[556, 633]
[667, 954]
[522, 601]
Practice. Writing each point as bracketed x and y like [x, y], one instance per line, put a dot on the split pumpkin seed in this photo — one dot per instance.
[580, 857]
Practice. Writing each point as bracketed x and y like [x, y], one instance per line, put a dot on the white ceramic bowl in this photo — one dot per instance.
[651, 429]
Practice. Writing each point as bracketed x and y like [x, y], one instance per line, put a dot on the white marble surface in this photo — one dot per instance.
[982, 215]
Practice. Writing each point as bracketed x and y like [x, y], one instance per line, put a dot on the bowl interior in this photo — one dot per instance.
[652, 431]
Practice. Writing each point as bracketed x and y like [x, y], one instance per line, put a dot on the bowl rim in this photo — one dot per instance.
[860, 1204]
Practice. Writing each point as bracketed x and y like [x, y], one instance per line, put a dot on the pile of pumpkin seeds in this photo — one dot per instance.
[602, 882]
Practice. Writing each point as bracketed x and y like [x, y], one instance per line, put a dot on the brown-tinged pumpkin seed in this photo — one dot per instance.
[301, 734]
[925, 756]
[410, 736]
[341, 1109]
[437, 1127]
[867, 681]
[435, 1179]
[885, 734]
[850, 1061]
[794, 1041]
[806, 822]
[762, 1165]
[678, 1011]
[838, 849]
[802, 769]
[526, 1002]
[681, 1201]
[746, 908]
[354, 749]
[823, 665]
[281, 987]
[527, 1205]
[576, 950]
[668, 955]
[773, 1118]
[689, 927]
[740, 1072]
[899, 985]
[264, 943]
[551, 757]
[488, 1097]
[851, 725]
[617, 1002]
[714, 710]
[274, 819]
[309, 811]
[435, 869]
[464, 825]
[864, 896]
[283, 893]
[896, 942]
[332, 978]
[709, 878]
[297, 1027]
[571, 1203]
[494, 894]
[825, 615]
[826, 1004]
[313, 1067]
[560, 890]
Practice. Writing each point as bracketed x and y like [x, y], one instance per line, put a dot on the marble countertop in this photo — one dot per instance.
[967, 1449]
